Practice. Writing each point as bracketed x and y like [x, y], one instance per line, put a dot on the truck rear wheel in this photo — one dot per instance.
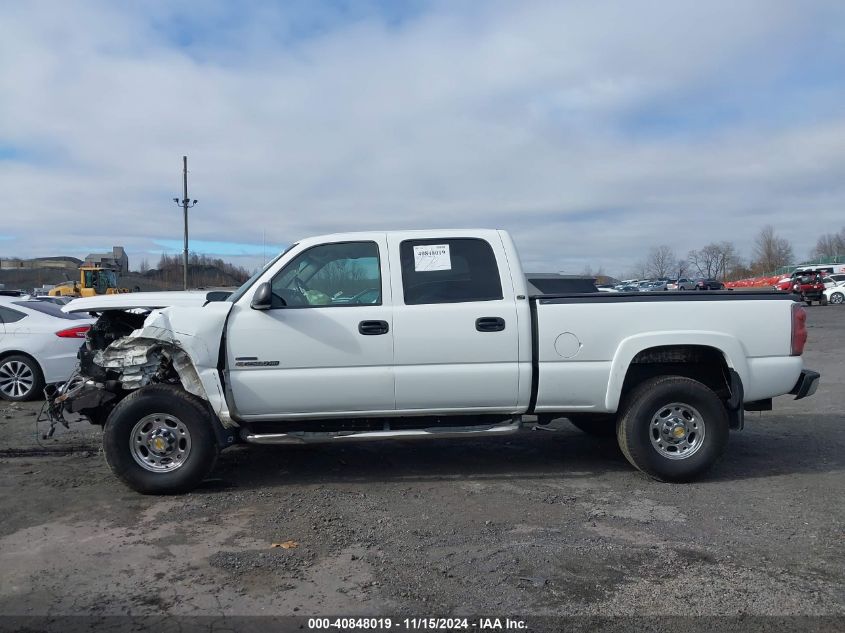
[595, 424]
[673, 428]
[159, 440]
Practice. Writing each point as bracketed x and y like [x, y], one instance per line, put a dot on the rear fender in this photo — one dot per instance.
[727, 345]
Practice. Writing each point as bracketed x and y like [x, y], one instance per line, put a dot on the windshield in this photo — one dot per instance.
[100, 280]
[248, 283]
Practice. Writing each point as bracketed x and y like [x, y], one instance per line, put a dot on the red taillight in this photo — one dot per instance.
[799, 329]
[74, 332]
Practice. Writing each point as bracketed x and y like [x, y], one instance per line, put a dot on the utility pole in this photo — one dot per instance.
[186, 203]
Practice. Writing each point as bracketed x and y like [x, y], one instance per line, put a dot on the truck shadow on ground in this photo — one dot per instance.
[796, 447]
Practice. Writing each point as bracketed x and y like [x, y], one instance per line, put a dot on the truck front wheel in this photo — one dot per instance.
[672, 428]
[159, 440]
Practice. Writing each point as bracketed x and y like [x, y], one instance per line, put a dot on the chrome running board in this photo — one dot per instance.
[306, 437]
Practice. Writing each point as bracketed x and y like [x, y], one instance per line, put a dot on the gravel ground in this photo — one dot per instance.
[549, 523]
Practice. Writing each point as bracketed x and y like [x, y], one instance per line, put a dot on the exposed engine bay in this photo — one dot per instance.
[119, 356]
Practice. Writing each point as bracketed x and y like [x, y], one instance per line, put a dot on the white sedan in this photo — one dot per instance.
[38, 346]
[836, 294]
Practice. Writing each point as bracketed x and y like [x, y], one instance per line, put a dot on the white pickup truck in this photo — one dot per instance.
[425, 334]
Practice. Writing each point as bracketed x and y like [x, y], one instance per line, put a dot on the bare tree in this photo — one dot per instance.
[830, 245]
[144, 266]
[729, 260]
[661, 261]
[703, 261]
[715, 260]
[770, 251]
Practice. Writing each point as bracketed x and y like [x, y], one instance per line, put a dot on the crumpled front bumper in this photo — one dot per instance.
[807, 384]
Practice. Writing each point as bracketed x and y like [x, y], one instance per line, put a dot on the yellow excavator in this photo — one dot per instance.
[93, 280]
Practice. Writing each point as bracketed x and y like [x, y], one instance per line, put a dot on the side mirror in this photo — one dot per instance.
[263, 297]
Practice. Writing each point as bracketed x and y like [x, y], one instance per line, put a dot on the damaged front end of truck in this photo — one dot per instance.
[127, 349]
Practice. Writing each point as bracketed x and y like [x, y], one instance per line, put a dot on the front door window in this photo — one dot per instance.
[342, 274]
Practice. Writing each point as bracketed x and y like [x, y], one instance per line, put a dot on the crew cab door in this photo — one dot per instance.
[456, 335]
[326, 345]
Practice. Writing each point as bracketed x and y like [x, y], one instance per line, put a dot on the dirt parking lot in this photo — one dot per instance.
[550, 523]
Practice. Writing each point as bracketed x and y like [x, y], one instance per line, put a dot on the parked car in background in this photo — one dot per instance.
[656, 285]
[680, 284]
[709, 284]
[833, 280]
[627, 288]
[38, 346]
[806, 283]
[835, 294]
[784, 283]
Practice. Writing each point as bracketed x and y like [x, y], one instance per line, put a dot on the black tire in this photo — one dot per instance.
[642, 406]
[837, 298]
[170, 402]
[823, 301]
[595, 424]
[28, 370]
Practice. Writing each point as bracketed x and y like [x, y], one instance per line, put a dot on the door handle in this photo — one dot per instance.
[373, 328]
[489, 324]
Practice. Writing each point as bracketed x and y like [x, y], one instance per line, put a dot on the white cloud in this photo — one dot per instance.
[520, 115]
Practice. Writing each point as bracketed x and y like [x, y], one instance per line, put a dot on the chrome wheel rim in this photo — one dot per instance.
[837, 297]
[16, 379]
[677, 431]
[160, 443]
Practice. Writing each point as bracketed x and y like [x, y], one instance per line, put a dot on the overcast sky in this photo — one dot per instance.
[591, 130]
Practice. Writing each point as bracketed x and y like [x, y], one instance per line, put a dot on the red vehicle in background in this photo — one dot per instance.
[807, 283]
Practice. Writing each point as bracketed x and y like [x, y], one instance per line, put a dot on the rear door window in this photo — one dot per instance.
[7, 315]
[449, 270]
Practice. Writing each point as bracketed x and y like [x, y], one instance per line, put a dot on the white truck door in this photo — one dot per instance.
[456, 335]
[326, 345]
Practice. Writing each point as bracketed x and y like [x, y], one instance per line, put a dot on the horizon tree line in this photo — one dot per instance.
[722, 260]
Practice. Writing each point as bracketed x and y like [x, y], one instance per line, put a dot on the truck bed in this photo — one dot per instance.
[584, 344]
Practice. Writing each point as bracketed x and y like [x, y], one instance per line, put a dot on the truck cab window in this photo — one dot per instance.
[453, 270]
[342, 274]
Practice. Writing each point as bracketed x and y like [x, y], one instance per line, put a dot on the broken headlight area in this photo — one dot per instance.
[116, 359]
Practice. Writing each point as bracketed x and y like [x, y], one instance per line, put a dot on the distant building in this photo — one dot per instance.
[65, 263]
[117, 259]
